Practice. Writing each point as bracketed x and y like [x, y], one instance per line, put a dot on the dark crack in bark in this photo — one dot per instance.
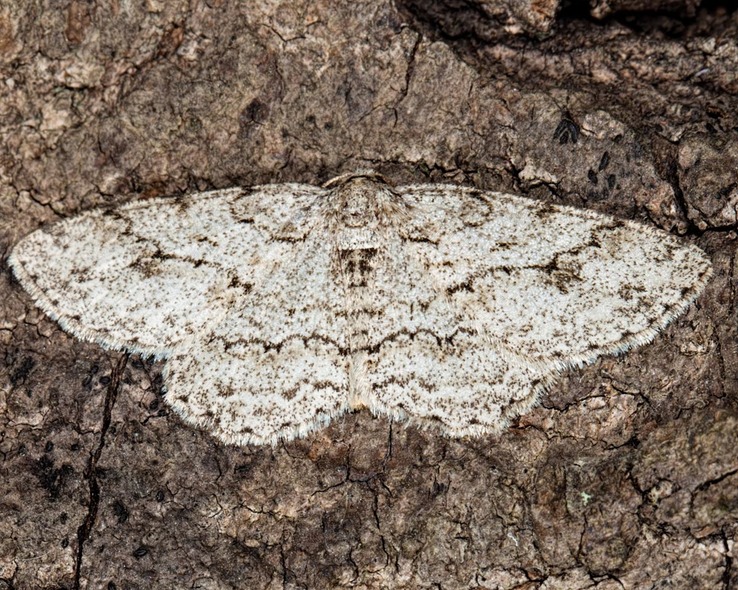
[85, 529]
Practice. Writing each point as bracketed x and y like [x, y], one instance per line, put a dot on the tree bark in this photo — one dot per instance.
[626, 476]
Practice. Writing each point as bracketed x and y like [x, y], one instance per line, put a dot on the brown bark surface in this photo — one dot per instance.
[625, 477]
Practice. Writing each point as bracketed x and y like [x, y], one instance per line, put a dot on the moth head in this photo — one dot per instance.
[360, 199]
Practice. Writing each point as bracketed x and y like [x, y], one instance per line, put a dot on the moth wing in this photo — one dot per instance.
[552, 283]
[277, 366]
[466, 386]
[486, 297]
[425, 360]
[247, 393]
[151, 274]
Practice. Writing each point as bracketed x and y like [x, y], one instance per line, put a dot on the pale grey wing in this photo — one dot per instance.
[248, 393]
[422, 359]
[464, 385]
[277, 365]
[151, 274]
[554, 284]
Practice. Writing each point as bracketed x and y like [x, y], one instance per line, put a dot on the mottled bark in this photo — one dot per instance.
[624, 477]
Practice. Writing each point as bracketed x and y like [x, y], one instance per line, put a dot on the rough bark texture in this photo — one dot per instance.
[625, 477]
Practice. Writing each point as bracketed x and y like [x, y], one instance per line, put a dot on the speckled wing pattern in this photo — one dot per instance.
[280, 307]
[527, 289]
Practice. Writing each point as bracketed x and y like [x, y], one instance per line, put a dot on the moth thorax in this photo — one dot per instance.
[362, 203]
[363, 212]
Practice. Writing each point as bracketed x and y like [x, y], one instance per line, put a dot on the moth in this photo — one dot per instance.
[280, 307]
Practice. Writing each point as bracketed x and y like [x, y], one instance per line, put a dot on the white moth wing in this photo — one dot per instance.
[465, 385]
[250, 394]
[552, 283]
[277, 365]
[149, 275]
[422, 358]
